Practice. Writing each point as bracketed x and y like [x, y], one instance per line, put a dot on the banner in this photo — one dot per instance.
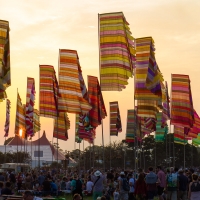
[98, 111]
[7, 123]
[5, 79]
[30, 101]
[61, 126]
[70, 81]
[179, 135]
[117, 51]
[20, 118]
[160, 131]
[48, 91]
[36, 121]
[115, 119]
[182, 113]
[130, 127]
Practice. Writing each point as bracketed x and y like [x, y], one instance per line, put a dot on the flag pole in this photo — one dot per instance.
[39, 130]
[18, 132]
[184, 153]
[100, 103]
[5, 149]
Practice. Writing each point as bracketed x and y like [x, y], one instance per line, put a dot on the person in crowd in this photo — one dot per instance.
[161, 183]
[7, 190]
[123, 187]
[46, 186]
[116, 194]
[132, 186]
[89, 186]
[183, 186]
[2, 177]
[63, 184]
[76, 185]
[194, 188]
[28, 182]
[172, 184]
[28, 195]
[1, 186]
[41, 179]
[98, 179]
[140, 188]
[77, 197]
[151, 181]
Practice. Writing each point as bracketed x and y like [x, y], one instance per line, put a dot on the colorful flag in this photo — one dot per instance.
[117, 51]
[36, 121]
[5, 80]
[182, 113]
[98, 111]
[166, 107]
[7, 123]
[179, 135]
[70, 81]
[48, 91]
[61, 126]
[20, 118]
[196, 141]
[160, 131]
[30, 101]
[148, 77]
[77, 139]
[193, 132]
[83, 128]
[147, 108]
[115, 119]
[130, 128]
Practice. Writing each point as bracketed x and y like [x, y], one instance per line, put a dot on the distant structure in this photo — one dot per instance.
[40, 150]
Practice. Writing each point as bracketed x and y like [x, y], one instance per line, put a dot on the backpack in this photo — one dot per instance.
[78, 185]
[63, 185]
[172, 180]
[125, 184]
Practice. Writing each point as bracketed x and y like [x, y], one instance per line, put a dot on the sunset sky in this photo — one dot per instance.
[39, 28]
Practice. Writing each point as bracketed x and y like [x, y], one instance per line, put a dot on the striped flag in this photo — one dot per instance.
[70, 84]
[115, 119]
[160, 131]
[7, 123]
[30, 100]
[5, 79]
[48, 91]
[98, 111]
[36, 121]
[20, 118]
[193, 132]
[179, 135]
[130, 127]
[117, 51]
[182, 112]
[61, 126]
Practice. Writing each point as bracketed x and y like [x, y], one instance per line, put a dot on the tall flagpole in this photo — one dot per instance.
[184, 154]
[17, 133]
[39, 130]
[100, 103]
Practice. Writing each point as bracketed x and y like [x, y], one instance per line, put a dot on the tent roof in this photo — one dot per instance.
[43, 141]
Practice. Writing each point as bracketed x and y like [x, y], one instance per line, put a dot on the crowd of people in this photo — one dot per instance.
[117, 184]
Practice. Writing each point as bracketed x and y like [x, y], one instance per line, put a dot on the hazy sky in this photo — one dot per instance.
[40, 27]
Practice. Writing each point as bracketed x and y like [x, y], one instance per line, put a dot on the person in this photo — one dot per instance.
[19, 181]
[1, 186]
[29, 196]
[98, 179]
[151, 180]
[2, 178]
[77, 197]
[41, 179]
[63, 184]
[162, 182]
[172, 184]
[123, 189]
[116, 194]
[89, 186]
[183, 185]
[76, 185]
[28, 181]
[46, 186]
[6, 190]
[194, 188]
[54, 187]
[140, 188]
[132, 187]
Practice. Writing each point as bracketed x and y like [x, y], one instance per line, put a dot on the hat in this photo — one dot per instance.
[122, 173]
[97, 173]
[98, 198]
